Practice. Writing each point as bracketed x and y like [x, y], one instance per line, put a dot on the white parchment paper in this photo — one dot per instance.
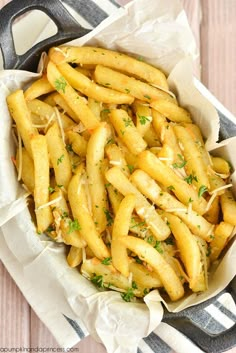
[159, 32]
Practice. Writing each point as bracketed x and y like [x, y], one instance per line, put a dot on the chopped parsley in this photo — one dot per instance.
[108, 217]
[106, 261]
[137, 259]
[127, 90]
[105, 111]
[131, 168]
[51, 190]
[202, 190]
[189, 179]
[128, 122]
[158, 247]
[74, 225]
[181, 164]
[169, 241]
[147, 96]
[60, 84]
[69, 147]
[110, 141]
[97, 280]
[171, 187]
[143, 119]
[60, 159]
[128, 296]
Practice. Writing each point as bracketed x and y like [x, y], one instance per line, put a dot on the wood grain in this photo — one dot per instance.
[19, 325]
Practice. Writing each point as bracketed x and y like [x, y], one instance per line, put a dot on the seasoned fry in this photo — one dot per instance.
[117, 158]
[38, 88]
[27, 171]
[121, 225]
[127, 131]
[94, 158]
[75, 102]
[122, 62]
[228, 205]
[125, 84]
[81, 213]
[58, 156]
[21, 115]
[165, 175]
[74, 258]
[189, 253]
[165, 272]
[78, 143]
[91, 89]
[170, 110]
[222, 233]
[41, 190]
[167, 202]
[143, 208]
[195, 165]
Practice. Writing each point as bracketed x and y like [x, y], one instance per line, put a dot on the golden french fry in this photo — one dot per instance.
[83, 84]
[116, 157]
[126, 84]
[144, 277]
[92, 55]
[106, 276]
[58, 156]
[195, 165]
[151, 137]
[149, 163]
[220, 165]
[222, 233]
[64, 226]
[143, 117]
[147, 253]
[81, 212]
[169, 203]
[189, 253]
[77, 142]
[127, 131]
[27, 169]
[94, 158]
[38, 88]
[41, 190]
[21, 115]
[62, 104]
[143, 208]
[120, 229]
[212, 215]
[95, 107]
[75, 256]
[170, 110]
[115, 197]
[75, 102]
[228, 206]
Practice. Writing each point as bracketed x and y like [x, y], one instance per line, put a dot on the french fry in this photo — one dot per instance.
[169, 203]
[228, 206]
[38, 88]
[62, 104]
[222, 233]
[106, 276]
[212, 215]
[170, 110]
[143, 117]
[120, 229]
[75, 102]
[147, 253]
[75, 256]
[58, 156]
[94, 158]
[81, 212]
[189, 253]
[151, 137]
[116, 157]
[195, 165]
[78, 143]
[122, 62]
[41, 190]
[115, 198]
[144, 277]
[125, 84]
[149, 163]
[64, 225]
[27, 171]
[220, 165]
[143, 208]
[95, 107]
[83, 84]
[21, 115]
[127, 131]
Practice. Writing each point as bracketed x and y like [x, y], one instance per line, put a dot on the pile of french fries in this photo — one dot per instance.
[119, 172]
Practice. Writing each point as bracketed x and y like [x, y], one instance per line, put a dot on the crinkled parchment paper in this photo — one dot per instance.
[158, 32]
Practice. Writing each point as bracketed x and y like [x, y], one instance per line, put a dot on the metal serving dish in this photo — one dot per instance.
[68, 29]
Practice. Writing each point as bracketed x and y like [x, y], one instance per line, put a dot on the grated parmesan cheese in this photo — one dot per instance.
[49, 203]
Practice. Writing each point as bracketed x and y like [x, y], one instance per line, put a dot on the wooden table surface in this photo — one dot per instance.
[214, 25]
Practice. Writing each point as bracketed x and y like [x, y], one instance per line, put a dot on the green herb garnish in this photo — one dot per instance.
[106, 261]
[60, 84]
[202, 190]
[181, 164]
[74, 225]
